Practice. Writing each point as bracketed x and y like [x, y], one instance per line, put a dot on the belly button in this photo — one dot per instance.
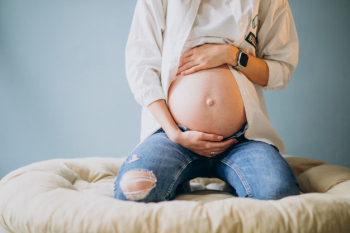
[210, 102]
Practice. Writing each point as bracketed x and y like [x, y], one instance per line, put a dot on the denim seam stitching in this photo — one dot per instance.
[178, 174]
[240, 175]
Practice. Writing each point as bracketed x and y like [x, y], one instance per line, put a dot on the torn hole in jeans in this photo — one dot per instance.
[137, 184]
[133, 158]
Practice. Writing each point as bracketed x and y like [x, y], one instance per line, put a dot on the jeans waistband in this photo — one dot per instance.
[239, 134]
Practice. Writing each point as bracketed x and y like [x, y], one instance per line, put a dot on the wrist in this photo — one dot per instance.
[174, 135]
[232, 55]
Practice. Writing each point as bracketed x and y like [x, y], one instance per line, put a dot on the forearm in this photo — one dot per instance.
[256, 71]
[160, 111]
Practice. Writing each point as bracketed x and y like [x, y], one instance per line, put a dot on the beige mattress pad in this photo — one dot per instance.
[76, 195]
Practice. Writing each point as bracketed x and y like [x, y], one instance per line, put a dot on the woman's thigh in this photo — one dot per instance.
[154, 169]
[257, 170]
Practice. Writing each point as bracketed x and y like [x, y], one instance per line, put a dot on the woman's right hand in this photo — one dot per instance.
[203, 143]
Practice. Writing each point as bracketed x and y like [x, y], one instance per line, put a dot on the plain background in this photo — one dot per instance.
[64, 92]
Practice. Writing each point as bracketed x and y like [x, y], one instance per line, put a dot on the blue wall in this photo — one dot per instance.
[64, 93]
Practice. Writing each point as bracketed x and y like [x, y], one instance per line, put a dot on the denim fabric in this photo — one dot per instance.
[253, 169]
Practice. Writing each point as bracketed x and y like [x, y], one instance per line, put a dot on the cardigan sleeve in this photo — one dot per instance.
[143, 52]
[278, 43]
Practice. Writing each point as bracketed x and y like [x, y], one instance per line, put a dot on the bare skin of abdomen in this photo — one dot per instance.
[207, 101]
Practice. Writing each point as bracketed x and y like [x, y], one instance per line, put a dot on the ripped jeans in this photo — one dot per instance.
[156, 170]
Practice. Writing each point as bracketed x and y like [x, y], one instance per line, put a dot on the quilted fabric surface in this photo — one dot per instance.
[76, 195]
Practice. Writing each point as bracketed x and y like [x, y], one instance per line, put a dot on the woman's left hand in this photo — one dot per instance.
[203, 57]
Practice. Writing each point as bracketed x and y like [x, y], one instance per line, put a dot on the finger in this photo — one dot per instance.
[210, 137]
[225, 146]
[192, 70]
[209, 153]
[186, 66]
[187, 53]
[212, 145]
[182, 62]
[229, 145]
[218, 150]
[186, 57]
[185, 61]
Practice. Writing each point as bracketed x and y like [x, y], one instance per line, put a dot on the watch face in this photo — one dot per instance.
[244, 59]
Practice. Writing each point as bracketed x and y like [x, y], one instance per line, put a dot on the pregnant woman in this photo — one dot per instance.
[198, 69]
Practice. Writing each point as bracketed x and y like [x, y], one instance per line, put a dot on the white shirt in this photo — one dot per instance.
[213, 19]
[156, 41]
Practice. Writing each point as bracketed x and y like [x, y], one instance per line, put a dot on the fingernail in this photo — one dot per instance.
[220, 137]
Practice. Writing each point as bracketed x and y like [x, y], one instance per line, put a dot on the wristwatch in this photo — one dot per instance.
[242, 60]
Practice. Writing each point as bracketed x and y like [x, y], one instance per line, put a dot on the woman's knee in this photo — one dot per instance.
[261, 147]
[137, 177]
[136, 185]
[278, 189]
[270, 177]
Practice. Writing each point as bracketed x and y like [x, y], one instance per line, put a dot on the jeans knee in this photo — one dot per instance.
[279, 190]
[137, 184]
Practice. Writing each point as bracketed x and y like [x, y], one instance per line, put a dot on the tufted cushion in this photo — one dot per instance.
[76, 195]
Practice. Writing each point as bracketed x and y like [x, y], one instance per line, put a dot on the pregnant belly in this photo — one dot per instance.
[207, 101]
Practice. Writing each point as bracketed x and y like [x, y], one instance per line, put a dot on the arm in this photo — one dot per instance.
[160, 111]
[143, 60]
[256, 71]
[277, 49]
